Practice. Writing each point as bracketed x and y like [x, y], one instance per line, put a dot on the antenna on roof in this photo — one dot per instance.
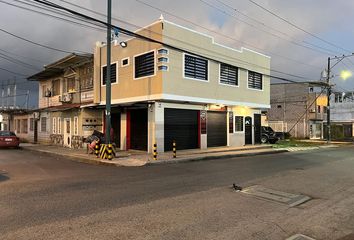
[161, 17]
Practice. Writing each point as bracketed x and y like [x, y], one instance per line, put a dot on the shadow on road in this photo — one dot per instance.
[3, 177]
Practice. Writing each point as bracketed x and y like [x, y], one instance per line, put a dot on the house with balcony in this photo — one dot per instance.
[298, 108]
[182, 87]
[65, 87]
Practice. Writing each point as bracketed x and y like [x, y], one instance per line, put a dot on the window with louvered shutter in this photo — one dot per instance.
[238, 124]
[228, 74]
[195, 67]
[255, 80]
[113, 74]
[144, 65]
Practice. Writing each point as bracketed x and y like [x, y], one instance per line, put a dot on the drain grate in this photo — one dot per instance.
[273, 195]
[299, 237]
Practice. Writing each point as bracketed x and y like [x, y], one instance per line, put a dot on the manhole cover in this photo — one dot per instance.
[299, 237]
[282, 197]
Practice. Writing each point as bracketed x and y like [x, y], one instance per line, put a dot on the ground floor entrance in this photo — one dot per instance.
[138, 129]
[181, 126]
[216, 129]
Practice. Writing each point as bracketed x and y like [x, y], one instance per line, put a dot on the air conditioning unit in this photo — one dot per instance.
[65, 98]
[47, 93]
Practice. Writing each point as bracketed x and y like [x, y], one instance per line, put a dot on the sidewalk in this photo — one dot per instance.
[139, 158]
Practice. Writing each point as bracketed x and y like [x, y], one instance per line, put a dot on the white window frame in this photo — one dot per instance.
[117, 73]
[163, 70]
[158, 59]
[76, 126]
[155, 65]
[46, 124]
[121, 62]
[255, 89]
[238, 76]
[54, 125]
[162, 54]
[59, 125]
[243, 124]
[195, 79]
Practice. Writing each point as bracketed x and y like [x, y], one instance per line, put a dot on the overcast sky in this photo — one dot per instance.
[240, 24]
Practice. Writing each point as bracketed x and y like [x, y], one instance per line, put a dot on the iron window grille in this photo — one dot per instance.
[239, 124]
[195, 67]
[228, 74]
[144, 65]
[113, 74]
[255, 80]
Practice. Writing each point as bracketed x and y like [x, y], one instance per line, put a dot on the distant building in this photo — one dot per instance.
[342, 115]
[299, 108]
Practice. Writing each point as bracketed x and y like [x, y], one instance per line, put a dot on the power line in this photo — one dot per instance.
[6, 70]
[133, 34]
[223, 35]
[274, 29]
[297, 27]
[49, 15]
[149, 39]
[14, 54]
[35, 43]
[19, 62]
[307, 108]
[264, 31]
[101, 14]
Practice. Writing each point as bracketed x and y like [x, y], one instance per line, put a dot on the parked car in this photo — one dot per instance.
[9, 139]
[268, 135]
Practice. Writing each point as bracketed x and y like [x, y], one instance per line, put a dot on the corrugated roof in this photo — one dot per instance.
[59, 66]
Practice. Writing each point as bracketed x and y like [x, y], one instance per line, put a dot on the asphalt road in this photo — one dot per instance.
[45, 197]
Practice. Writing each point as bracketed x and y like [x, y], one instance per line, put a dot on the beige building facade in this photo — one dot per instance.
[182, 87]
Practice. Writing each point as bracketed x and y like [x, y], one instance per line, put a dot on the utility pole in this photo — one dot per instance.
[328, 103]
[15, 90]
[8, 94]
[27, 98]
[2, 96]
[108, 75]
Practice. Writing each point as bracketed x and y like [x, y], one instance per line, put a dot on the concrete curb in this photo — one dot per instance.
[73, 157]
[194, 159]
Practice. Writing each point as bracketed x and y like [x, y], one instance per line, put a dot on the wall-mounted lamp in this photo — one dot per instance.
[123, 44]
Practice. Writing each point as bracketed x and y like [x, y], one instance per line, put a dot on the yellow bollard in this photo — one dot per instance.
[110, 152]
[155, 152]
[174, 149]
[97, 148]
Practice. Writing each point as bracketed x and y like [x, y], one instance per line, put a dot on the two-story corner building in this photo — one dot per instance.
[300, 108]
[342, 115]
[182, 87]
[65, 86]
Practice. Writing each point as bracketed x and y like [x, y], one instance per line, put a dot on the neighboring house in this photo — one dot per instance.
[18, 121]
[300, 108]
[65, 86]
[184, 88]
[342, 115]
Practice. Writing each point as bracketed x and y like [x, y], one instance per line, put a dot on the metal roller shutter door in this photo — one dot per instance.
[216, 129]
[182, 126]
